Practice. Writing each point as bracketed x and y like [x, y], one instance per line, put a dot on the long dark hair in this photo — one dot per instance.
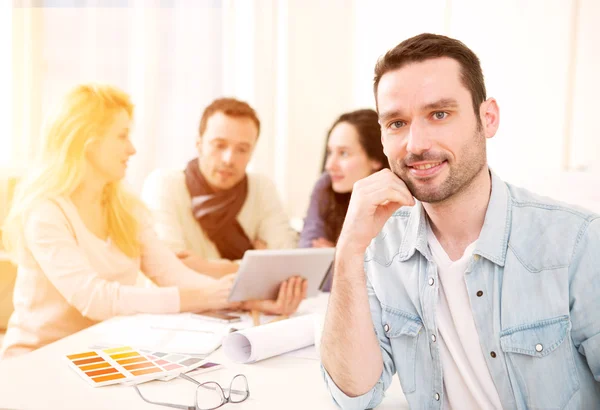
[333, 205]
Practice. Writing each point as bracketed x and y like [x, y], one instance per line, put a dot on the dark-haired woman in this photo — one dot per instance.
[354, 151]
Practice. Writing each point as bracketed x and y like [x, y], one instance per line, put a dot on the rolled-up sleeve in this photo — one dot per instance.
[366, 401]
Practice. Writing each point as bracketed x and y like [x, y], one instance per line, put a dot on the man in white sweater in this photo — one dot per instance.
[213, 211]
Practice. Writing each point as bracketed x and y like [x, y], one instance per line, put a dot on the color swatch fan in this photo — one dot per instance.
[126, 364]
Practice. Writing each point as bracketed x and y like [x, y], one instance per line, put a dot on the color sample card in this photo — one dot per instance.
[127, 364]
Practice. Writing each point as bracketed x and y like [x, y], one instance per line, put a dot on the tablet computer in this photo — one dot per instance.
[262, 271]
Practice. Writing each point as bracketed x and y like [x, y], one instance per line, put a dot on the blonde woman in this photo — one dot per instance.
[80, 238]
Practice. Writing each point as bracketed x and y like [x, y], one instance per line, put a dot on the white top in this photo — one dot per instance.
[69, 279]
[262, 215]
[467, 381]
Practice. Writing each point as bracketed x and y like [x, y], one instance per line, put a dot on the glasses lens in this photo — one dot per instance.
[209, 396]
[239, 389]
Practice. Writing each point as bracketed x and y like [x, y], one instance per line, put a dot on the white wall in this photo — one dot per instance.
[585, 126]
[301, 73]
[301, 63]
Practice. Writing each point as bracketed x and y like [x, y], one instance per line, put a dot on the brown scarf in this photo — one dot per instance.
[216, 212]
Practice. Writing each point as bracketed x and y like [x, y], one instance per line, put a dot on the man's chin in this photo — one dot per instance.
[426, 191]
[223, 184]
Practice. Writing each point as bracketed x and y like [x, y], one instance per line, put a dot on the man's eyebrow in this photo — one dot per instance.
[385, 116]
[436, 105]
[226, 140]
[442, 103]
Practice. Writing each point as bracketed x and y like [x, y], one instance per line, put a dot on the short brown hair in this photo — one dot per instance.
[230, 107]
[427, 46]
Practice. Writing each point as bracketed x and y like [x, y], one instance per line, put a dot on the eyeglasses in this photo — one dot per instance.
[210, 395]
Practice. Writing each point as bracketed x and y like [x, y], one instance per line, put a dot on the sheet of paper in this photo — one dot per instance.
[177, 333]
[309, 353]
[261, 342]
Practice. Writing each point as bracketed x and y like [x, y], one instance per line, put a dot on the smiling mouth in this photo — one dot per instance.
[426, 171]
[426, 166]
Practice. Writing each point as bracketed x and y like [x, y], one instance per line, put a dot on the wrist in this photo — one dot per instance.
[350, 248]
[192, 300]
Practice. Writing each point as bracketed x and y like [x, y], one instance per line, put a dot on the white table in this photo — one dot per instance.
[42, 380]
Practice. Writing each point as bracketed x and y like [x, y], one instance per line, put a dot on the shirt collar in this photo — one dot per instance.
[493, 239]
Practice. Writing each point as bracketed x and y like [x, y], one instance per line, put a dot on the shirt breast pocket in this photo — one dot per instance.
[403, 330]
[541, 363]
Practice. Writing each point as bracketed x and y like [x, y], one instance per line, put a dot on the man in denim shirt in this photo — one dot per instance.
[480, 295]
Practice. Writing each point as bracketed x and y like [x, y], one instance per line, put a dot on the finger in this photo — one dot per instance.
[328, 244]
[304, 289]
[323, 243]
[382, 180]
[296, 298]
[298, 290]
[283, 296]
[282, 292]
[293, 294]
[390, 193]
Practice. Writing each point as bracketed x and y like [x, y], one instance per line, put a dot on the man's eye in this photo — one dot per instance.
[397, 124]
[440, 115]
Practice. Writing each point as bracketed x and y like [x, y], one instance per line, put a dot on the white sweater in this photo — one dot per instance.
[262, 215]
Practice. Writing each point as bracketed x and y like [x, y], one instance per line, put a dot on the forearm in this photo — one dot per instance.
[350, 351]
[214, 269]
[103, 300]
[192, 300]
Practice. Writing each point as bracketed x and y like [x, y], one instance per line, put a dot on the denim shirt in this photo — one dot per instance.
[537, 263]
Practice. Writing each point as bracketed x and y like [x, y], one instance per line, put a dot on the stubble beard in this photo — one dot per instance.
[460, 175]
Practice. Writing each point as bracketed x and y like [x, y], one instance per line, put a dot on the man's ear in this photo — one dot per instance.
[490, 117]
[383, 145]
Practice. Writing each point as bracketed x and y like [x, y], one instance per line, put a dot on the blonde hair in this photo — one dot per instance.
[84, 115]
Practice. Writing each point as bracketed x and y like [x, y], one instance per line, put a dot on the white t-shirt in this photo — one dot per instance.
[467, 381]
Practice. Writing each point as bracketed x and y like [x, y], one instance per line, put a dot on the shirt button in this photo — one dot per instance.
[436, 397]
[431, 281]
[476, 257]
[493, 354]
[433, 338]
[386, 327]
[539, 347]
[479, 293]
